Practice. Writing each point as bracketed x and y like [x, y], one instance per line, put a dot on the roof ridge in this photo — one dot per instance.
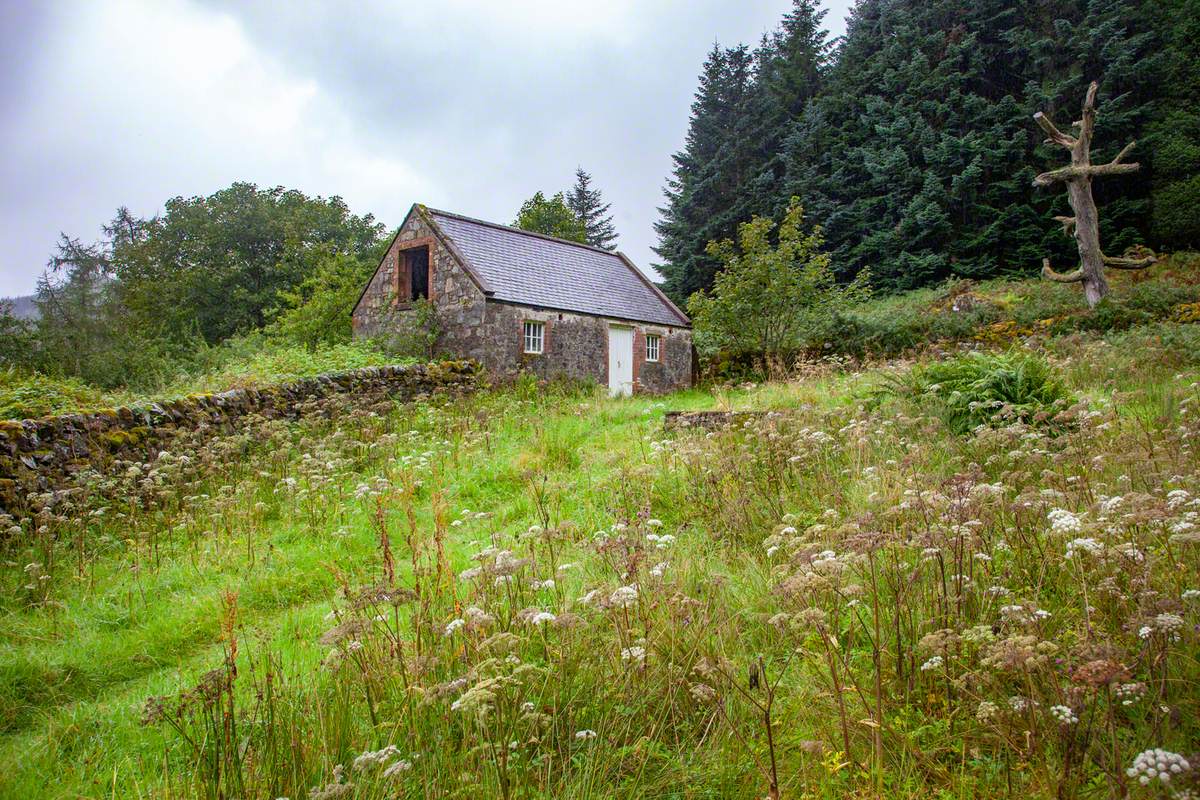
[522, 231]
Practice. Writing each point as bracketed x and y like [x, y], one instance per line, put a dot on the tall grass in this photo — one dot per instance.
[540, 594]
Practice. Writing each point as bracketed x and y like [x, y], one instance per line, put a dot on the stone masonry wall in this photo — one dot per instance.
[490, 332]
[37, 455]
[576, 346]
[459, 302]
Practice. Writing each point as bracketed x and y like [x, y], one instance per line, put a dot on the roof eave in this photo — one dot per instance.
[600, 314]
[687, 322]
[428, 214]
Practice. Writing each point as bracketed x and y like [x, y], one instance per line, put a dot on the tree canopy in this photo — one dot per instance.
[912, 142]
[589, 206]
[153, 292]
[552, 217]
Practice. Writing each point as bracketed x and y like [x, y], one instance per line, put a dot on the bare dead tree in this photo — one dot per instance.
[1085, 225]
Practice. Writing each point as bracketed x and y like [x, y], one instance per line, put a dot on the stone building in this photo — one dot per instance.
[517, 301]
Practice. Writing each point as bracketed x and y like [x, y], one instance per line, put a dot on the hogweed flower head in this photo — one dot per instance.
[635, 655]
[1063, 521]
[1157, 764]
[1064, 715]
[624, 596]
[542, 618]
[1085, 546]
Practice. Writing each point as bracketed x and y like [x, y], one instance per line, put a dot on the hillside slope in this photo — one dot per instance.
[536, 593]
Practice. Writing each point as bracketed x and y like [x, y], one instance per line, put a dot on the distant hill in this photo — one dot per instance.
[23, 307]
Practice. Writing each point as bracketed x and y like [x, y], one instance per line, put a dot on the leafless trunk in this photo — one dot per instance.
[1085, 225]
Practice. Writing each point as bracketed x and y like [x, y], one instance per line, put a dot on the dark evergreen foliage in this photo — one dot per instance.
[588, 204]
[913, 144]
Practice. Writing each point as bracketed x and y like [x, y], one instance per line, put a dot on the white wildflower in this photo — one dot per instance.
[635, 655]
[624, 596]
[986, 711]
[1064, 715]
[1063, 521]
[375, 758]
[403, 765]
[1086, 546]
[542, 618]
[1157, 764]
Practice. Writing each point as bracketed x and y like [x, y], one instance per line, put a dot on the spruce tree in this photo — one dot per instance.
[589, 206]
[911, 145]
[702, 193]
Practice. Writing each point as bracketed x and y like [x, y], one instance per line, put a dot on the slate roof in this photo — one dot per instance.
[531, 269]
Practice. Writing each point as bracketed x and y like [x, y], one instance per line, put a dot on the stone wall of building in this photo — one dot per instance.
[491, 332]
[37, 455]
[576, 346]
[458, 300]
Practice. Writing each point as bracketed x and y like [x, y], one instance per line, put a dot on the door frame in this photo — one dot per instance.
[620, 390]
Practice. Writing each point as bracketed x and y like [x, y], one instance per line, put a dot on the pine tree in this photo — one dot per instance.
[589, 206]
[924, 155]
[1172, 141]
[702, 193]
[732, 167]
[911, 143]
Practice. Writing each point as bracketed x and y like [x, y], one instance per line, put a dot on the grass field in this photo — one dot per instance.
[536, 592]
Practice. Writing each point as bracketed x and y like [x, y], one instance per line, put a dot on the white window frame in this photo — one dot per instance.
[653, 347]
[534, 337]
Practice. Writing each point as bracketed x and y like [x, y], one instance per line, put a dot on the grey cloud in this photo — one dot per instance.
[480, 109]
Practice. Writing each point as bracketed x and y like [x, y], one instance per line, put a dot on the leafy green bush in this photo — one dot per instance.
[981, 388]
[770, 291]
[317, 311]
[30, 394]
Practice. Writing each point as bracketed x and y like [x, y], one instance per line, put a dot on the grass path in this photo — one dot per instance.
[73, 679]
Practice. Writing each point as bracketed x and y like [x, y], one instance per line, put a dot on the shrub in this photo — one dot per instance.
[318, 310]
[769, 293]
[31, 394]
[981, 388]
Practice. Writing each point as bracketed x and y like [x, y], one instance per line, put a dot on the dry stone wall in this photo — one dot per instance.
[38, 455]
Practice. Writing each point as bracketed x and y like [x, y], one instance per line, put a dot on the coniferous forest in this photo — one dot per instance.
[911, 141]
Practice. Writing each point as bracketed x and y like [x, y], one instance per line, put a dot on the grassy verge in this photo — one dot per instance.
[538, 593]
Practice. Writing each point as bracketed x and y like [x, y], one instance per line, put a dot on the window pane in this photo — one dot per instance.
[534, 336]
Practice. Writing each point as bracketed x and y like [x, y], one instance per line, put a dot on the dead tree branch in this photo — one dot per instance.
[1075, 276]
[1085, 224]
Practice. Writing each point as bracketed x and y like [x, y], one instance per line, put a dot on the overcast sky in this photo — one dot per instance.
[466, 105]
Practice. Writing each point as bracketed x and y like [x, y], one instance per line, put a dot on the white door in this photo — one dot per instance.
[620, 361]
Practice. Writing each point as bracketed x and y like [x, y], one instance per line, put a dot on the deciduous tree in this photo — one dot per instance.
[552, 217]
[767, 294]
